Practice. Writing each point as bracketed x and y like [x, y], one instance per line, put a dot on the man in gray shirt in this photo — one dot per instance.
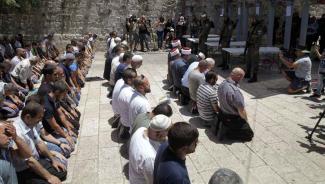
[196, 78]
[233, 117]
[300, 77]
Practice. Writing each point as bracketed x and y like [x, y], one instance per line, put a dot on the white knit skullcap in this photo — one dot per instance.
[211, 61]
[137, 58]
[160, 123]
[186, 51]
[201, 55]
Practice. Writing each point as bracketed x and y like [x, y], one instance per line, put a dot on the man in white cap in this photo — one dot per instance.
[173, 55]
[179, 68]
[23, 72]
[143, 149]
[139, 103]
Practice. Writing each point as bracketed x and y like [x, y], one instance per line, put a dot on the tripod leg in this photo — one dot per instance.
[319, 120]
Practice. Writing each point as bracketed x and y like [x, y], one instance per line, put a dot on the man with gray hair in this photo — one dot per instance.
[143, 149]
[233, 117]
[23, 72]
[225, 176]
[139, 103]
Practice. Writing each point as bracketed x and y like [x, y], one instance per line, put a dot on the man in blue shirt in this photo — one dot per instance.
[170, 165]
[127, 59]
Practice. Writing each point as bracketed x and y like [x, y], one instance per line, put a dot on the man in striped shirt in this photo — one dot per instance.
[207, 99]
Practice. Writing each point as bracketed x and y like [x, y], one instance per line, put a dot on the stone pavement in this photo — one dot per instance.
[279, 153]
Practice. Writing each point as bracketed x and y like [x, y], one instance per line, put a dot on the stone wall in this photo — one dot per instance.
[72, 18]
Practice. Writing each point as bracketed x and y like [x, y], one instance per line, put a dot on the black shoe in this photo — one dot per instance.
[252, 80]
[315, 95]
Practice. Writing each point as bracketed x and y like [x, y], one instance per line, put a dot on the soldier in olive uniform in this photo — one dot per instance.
[225, 38]
[253, 44]
[205, 28]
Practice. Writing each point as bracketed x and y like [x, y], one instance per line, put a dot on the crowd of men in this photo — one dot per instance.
[39, 93]
[157, 147]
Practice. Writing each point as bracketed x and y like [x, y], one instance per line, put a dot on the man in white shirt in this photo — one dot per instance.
[139, 103]
[21, 54]
[128, 75]
[122, 58]
[23, 72]
[143, 149]
[49, 169]
[123, 101]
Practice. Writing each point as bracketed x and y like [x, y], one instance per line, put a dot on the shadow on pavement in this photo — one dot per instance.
[317, 143]
[126, 170]
[92, 79]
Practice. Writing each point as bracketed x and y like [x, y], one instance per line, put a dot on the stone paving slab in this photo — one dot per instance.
[279, 153]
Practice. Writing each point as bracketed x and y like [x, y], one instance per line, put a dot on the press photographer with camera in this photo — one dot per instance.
[299, 73]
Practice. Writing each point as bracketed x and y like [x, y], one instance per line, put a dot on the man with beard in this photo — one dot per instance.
[139, 103]
[143, 148]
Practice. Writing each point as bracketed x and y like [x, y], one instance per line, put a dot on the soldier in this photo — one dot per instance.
[206, 25]
[225, 38]
[253, 44]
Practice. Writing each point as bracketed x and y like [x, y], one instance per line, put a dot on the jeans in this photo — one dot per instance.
[143, 40]
[7, 173]
[320, 84]
[160, 35]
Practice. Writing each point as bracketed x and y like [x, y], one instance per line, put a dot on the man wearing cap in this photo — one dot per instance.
[179, 68]
[143, 149]
[206, 26]
[139, 103]
[174, 52]
[23, 72]
[300, 76]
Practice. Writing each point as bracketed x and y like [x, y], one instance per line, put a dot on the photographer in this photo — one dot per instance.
[133, 32]
[143, 32]
[300, 76]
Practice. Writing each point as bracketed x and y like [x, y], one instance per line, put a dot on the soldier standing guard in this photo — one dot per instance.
[206, 25]
[253, 44]
[225, 38]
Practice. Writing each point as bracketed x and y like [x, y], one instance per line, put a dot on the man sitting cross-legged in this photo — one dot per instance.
[25, 126]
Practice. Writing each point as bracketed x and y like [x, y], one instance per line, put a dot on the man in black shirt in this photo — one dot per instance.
[53, 120]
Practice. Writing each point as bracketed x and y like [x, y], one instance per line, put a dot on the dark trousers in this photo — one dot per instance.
[252, 61]
[143, 41]
[160, 35]
[28, 176]
[235, 128]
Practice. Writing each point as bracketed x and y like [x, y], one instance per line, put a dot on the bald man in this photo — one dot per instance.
[233, 117]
